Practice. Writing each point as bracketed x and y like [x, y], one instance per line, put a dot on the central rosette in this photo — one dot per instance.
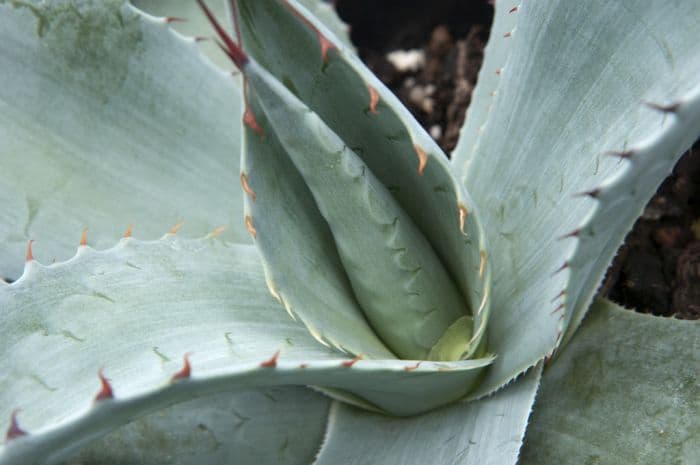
[365, 234]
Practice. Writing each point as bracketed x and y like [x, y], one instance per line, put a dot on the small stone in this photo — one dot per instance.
[436, 131]
[407, 60]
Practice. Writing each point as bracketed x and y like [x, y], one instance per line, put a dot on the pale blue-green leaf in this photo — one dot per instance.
[324, 10]
[188, 19]
[256, 427]
[135, 309]
[624, 391]
[107, 119]
[484, 432]
[398, 280]
[495, 56]
[285, 220]
[621, 199]
[287, 42]
[573, 88]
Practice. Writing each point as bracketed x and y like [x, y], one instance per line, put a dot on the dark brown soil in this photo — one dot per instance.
[658, 269]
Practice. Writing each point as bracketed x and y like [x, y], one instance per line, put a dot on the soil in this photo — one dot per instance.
[657, 270]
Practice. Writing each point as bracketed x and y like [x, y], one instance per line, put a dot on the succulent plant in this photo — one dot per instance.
[427, 300]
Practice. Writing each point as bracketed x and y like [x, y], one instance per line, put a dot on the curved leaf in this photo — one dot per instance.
[625, 390]
[496, 55]
[324, 10]
[572, 89]
[187, 19]
[109, 119]
[314, 66]
[256, 427]
[621, 199]
[135, 309]
[400, 284]
[284, 218]
[484, 432]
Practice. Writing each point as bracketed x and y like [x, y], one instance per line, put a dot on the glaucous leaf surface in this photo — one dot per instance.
[122, 121]
[324, 11]
[188, 19]
[271, 426]
[569, 88]
[488, 431]
[109, 119]
[135, 310]
[316, 69]
[624, 390]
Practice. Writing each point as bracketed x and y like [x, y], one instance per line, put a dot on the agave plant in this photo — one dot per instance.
[428, 301]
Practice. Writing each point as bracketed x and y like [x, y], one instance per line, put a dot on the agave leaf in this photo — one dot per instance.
[312, 287]
[539, 148]
[487, 431]
[325, 12]
[135, 309]
[255, 427]
[621, 200]
[631, 380]
[496, 55]
[336, 86]
[396, 276]
[109, 119]
[187, 19]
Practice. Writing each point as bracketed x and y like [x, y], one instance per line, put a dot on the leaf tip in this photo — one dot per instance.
[232, 50]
